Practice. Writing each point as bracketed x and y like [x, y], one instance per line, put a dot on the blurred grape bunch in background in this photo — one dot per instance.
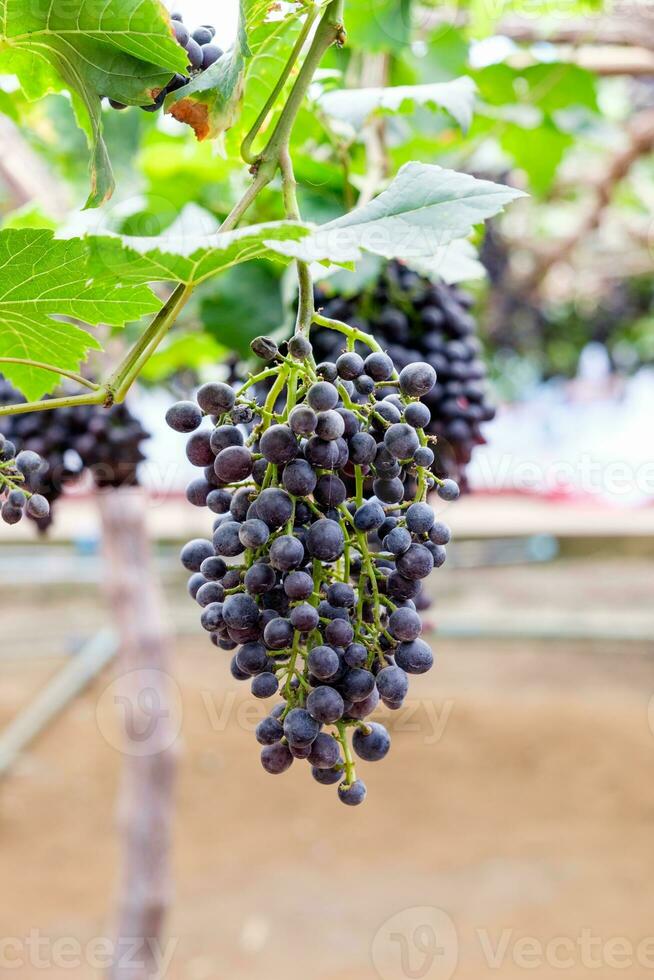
[416, 319]
[73, 441]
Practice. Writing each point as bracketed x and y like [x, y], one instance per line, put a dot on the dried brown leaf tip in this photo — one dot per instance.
[195, 114]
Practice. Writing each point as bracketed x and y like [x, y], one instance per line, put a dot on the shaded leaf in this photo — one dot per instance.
[537, 151]
[245, 303]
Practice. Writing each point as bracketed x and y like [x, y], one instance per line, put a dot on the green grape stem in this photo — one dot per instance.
[350, 770]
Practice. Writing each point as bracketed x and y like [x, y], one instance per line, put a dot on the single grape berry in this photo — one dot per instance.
[265, 348]
[372, 743]
[203, 35]
[350, 365]
[300, 728]
[414, 656]
[323, 662]
[352, 795]
[448, 490]
[276, 758]
[299, 347]
[195, 552]
[216, 398]
[418, 379]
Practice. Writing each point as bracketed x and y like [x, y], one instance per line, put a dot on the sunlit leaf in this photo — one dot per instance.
[44, 278]
[192, 249]
[423, 209]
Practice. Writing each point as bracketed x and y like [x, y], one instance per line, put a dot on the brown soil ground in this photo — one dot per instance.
[513, 817]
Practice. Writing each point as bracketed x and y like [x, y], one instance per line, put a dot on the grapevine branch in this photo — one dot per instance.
[274, 157]
[246, 145]
[625, 27]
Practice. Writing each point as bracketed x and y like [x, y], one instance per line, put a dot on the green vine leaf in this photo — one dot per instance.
[122, 50]
[356, 106]
[44, 278]
[192, 250]
[424, 208]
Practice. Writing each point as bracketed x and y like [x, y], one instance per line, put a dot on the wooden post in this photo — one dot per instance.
[149, 727]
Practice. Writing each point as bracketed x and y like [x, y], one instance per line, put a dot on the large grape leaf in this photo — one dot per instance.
[355, 106]
[424, 208]
[211, 102]
[122, 49]
[192, 249]
[43, 278]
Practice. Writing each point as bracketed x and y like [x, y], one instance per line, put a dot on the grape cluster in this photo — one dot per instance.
[16, 473]
[321, 541]
[202, 53]
[414, 318]
[106, 442]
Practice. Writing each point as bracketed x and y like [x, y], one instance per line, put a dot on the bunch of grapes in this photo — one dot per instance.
[71, 440]
[201, 51]
[321, 542]
[16, 474]
[414, 318]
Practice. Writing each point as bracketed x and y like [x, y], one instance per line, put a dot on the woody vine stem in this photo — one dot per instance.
[273, 158]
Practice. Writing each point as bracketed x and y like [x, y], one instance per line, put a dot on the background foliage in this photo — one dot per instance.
[569, 264]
